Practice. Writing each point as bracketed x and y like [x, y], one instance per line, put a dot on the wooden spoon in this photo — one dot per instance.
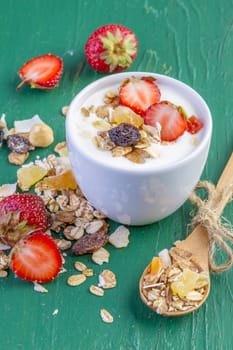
[197, 243]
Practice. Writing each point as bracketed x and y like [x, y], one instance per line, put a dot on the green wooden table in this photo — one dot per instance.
[191, 40]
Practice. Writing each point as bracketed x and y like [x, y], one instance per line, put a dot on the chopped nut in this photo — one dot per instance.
[85, 112]
[41, 135]
[76, 280]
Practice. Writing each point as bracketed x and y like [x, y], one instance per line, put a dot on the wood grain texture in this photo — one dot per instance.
[191, 40]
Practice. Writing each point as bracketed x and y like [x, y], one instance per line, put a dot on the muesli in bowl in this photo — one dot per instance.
[138, 143]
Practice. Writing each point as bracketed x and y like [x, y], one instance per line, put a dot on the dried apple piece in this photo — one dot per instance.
[59, 182]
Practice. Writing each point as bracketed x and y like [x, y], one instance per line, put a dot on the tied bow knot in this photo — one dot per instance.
[219, 234]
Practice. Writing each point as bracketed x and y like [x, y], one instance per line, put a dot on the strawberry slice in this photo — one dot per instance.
[36, 258]
[42, 72]
[173, 123]
[139, 94]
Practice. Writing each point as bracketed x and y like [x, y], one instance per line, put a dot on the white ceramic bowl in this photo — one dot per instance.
[138, 195]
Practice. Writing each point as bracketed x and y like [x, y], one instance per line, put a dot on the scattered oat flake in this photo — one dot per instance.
[39, 288]
[106, 316]
[120, 237]
[101, 256]
[79, 266]
[96, 290]
[7, 189]
[3, 273]
[76, 280]
[107, 279]
[17, 158]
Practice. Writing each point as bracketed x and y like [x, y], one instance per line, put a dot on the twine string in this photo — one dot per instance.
[220, 234]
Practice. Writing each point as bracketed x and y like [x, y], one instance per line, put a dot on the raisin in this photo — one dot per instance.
[124, 135]
[89, 243]
[18, 144]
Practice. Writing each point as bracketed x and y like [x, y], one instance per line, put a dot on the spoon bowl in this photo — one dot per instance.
[197, 246]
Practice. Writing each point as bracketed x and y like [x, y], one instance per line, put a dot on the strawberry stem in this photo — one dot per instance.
[21, 84]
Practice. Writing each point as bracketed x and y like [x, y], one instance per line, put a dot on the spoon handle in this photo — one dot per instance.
[225, 180]
[199, 234]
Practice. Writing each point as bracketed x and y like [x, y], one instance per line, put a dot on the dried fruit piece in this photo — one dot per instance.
[89, 243]
[120, 237]
[30, 175]
[18, 144]
[188, 281]
[123, 114]
[156, 266]
[194, 124]
[59, 182]
[124, 135]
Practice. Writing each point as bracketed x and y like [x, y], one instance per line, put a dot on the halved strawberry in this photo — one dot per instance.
[173, 123]
[20, 213]
[139, 93]
[42, 72]
[194, 124]
[36, 258]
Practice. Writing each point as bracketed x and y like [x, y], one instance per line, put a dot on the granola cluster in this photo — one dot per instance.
[174, 282]
[111, 122]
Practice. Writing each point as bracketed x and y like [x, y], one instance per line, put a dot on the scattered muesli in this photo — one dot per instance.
[106, 316]
[174, 281]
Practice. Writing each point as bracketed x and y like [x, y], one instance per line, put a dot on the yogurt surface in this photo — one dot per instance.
[168, 153]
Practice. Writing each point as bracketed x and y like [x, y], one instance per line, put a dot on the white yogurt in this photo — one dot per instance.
[168, 153]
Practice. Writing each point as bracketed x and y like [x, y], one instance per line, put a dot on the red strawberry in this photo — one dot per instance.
[36, 258]
[139, 94]
[42, 72]
[111, 48]
[173, 123]
[20, 213]
[194, 124]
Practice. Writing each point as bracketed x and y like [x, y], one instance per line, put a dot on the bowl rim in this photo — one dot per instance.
[111, 79]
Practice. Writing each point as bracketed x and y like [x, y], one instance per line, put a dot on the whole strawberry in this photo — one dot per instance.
[111, 48]
[19, 214]
[42, 72]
